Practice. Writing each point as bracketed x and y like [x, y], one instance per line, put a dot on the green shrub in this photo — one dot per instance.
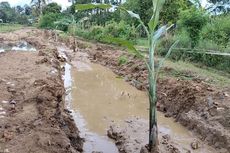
[48, 20]
[81, 32]
[121, 30]
[193, 20]
[117, 30]
[23, 19]
[166, 42]
[210, 45]
[51, 8]
[96, 33]
[218, 30]
[63, 24]
[198, 55]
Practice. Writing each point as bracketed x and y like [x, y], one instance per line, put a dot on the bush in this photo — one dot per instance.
[22, 19]
[48, 20]
[210, 45]
[51, 8]
[193, 20]
[166, 42]
[121, 30]
[96, 33]
[218, 30]
[81, 33]
[198, 55]
[63, 24]
[117, 30]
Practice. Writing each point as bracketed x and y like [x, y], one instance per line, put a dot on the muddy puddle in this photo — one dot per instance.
[98, 98]
[19, 46]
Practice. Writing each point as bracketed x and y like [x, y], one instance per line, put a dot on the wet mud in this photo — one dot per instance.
[37, 113]
[32, 106]
[103, 99]
[201, 108]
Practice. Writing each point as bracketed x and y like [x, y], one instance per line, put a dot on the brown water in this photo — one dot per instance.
[99, 98]
[19, 46]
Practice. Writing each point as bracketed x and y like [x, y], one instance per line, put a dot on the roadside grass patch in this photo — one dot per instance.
[4, 27]
[188, 71]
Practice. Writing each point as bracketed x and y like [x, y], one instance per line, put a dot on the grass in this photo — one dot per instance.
[142, 42]
[189, 71]
[9, 27]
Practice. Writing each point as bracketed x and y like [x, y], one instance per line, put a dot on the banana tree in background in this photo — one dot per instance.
[38, 4]
[154, 34]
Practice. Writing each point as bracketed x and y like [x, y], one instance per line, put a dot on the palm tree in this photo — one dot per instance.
[38, 4]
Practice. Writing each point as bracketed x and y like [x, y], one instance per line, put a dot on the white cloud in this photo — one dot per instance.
[16, 2]
[63, 3]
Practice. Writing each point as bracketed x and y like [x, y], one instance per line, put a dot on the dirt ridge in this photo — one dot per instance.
[35, 119]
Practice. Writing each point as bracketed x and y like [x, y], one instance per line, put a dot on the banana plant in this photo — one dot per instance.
[153, 34]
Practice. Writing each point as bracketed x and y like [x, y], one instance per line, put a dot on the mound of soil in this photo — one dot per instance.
[132, 137]
[32, 109]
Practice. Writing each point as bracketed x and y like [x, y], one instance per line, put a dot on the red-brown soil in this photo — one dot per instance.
[202, 108]
[32, 108]
[33, 118]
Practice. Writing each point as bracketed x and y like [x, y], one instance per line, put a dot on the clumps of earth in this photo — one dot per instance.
[33, 117]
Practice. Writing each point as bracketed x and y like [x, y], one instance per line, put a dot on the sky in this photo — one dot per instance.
[63, 3]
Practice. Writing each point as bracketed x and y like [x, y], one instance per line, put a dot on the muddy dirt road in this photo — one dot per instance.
[34, 100]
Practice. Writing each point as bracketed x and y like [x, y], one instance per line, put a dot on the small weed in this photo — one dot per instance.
[122, 60]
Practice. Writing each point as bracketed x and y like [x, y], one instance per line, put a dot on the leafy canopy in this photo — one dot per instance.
[193, 20]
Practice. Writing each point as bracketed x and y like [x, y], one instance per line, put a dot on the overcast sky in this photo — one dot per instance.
[63, 3]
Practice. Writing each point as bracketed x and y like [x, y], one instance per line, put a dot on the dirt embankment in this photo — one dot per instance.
[32, 112]
[202, 108]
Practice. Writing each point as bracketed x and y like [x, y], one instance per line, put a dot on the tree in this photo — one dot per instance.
[3, 16]
[169, 13]
[193, 20]
[28, 10]
[141, 7]
[19, 9]
[219, 6]
[7, 13]
[171, 10]
[218, 30]
[52, 8]
[38, 4]
[4, 5]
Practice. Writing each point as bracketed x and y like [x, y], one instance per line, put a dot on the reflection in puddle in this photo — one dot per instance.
[93, 141]
[20, 46]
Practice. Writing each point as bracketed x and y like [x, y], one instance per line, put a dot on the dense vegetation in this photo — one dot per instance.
[18, 14]
[202, 31]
